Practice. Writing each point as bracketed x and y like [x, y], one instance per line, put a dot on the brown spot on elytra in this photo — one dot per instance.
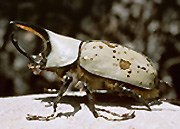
[125, 52]
[110, 44]
[128, 75]
[114, 57]
[94, 47]
[129, 71]
[123, 64]
[119, 52]
[114, 51]
[101, 47]
[96, 54]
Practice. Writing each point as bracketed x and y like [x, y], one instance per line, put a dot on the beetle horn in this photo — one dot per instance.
[32, 28]
[37, 31]
[15, 43]
[58, 51]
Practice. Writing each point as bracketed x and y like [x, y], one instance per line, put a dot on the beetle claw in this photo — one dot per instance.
[41, 118]
[126, 116]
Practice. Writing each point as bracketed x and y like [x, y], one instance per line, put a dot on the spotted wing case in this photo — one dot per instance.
[116, 62]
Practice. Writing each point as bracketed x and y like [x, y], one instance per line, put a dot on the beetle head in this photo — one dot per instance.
[58, 50]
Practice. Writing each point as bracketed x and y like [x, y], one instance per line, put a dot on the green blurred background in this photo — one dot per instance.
[151, 27]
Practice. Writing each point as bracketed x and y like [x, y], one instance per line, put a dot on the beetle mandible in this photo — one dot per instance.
[96, 65]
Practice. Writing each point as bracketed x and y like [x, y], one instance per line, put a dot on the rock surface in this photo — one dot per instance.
[14, 110]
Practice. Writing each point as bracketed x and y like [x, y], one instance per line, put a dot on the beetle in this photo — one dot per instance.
[93, 65]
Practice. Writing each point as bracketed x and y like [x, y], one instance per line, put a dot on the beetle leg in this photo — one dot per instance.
[93, 109]
[122, 117]
[66, 82]
[131, 93]
[64, 87]
[90, 100]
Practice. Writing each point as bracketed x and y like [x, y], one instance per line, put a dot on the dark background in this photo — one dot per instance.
[151, 27]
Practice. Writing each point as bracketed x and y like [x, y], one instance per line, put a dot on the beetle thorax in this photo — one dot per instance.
[64, 50]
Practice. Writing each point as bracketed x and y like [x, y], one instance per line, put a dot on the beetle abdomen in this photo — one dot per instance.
[119, 63]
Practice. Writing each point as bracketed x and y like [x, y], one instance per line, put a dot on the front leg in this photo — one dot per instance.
[66, 82]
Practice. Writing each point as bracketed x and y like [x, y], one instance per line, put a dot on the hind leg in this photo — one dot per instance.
[93, 109]
[130, 93]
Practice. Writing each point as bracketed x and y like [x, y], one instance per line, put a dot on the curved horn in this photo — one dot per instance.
[40, 32]
[32, 28]
[15, 43]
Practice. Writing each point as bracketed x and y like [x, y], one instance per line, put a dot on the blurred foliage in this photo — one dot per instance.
[148, 26]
